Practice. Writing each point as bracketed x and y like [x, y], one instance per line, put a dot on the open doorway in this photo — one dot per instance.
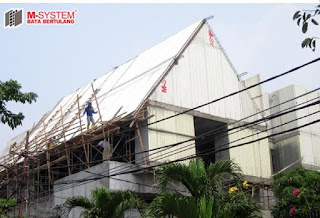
[216, 139]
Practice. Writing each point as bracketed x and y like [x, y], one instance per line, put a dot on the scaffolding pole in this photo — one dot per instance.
[141, 143]
[65, 142]
[25, 180]
[47, 156]
[107, 148]
[83, 141]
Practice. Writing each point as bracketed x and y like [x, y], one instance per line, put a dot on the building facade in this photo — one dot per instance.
[167, 104]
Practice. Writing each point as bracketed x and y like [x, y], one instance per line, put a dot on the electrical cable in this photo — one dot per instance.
[215, 130]
[221, 146]
[272, 78]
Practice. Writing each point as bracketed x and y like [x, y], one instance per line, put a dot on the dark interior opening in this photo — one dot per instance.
[211, 136]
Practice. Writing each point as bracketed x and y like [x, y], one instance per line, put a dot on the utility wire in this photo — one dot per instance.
[272, 78]
[211, 131]
[234, 93]
[220, 150]
[193, 156]
[202, 153]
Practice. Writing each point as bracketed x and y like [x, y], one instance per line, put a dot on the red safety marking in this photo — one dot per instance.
[164, 87]
[211, 39]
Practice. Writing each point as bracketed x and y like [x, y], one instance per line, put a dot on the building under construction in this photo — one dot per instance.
[152, 109]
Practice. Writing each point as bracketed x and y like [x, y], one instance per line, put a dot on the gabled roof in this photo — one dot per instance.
[122, 90]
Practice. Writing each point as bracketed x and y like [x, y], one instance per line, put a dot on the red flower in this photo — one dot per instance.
[296, 192]
[293, 211]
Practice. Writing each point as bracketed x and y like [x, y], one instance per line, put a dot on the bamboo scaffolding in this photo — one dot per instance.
[141, 143]
[65, 143]
[25, 165]
[83, 142]
[107, 148]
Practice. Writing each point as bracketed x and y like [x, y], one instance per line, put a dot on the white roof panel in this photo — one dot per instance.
[125, 87]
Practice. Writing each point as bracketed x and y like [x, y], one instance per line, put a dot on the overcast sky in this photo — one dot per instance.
[55, 60]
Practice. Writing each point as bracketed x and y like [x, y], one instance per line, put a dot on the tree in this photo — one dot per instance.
[206, 187]
[103, 204]
[6, 206]
[11, 91]
[305, 17]
[297, 192]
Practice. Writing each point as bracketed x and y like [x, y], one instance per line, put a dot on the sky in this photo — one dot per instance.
[55, 60]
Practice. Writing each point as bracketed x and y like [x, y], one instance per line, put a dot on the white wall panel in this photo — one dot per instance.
[169, 132]
[202, 75]
[254, 158]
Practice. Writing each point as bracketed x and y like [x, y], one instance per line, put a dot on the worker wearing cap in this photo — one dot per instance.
[89, 111]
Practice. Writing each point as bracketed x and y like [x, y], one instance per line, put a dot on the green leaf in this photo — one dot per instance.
[295, 16]
[309, 15]
[305, 27]
[304, 16]
[305, 42]
[298, 22]
[314, 45]
[314, 21]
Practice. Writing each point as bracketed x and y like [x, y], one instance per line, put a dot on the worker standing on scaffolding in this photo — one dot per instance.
[89, 111]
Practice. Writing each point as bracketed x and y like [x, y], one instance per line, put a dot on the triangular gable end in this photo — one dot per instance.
[203, 73]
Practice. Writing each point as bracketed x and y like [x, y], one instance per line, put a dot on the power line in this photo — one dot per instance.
[234, 93]
[232, 142]
[212, 132]
[192, 156]
[202, 153]
[202, 135]
[215, 130]
[223, 149]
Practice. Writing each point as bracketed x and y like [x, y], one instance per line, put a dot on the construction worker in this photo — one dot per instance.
[90, 111]
[52, 143]
[12, 148]
[106, 148]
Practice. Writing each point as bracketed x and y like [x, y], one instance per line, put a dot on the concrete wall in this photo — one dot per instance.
[70, 186]
[286, 152]
[256, 92]
[310, 135]
[303, 143]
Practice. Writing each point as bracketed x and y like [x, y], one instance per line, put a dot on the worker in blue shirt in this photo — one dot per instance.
[89, 111]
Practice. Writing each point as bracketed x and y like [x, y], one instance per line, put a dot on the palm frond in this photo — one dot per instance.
[206, 207]
[101, 198]
[191, 176]
[77, 201]
[173, 204]
[222, 169]
[122, 201]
